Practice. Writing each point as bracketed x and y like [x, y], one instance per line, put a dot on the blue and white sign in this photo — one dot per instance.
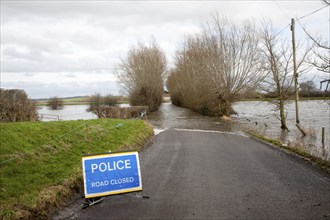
[109, 174]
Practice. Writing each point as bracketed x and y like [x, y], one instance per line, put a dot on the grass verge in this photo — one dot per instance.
[323, 164]
[40, 162]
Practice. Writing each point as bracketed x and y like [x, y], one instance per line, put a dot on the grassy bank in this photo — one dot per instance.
[40, 162]
[323, 164]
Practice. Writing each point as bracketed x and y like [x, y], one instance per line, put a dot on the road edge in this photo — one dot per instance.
[314, 161]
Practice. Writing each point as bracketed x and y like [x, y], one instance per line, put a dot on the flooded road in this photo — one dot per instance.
[256, 116]
[170, 116]
[259, 117]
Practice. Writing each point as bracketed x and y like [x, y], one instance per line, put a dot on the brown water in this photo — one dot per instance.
[253, 115]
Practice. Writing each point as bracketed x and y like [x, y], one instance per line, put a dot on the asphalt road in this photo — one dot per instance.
[212, 175]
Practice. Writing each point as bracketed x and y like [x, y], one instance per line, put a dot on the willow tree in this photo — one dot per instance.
[215, 65]
[142, 74]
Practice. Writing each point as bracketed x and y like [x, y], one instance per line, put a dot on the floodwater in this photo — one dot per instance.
[170, 116]
[69, 112]
[256, 116]
[262, 117]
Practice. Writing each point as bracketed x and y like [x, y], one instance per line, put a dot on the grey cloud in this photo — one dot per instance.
[128, 13]
[91, 36]
[70, 75]
[12, 51]
[65, 46]
[140, 11]
[29, 74]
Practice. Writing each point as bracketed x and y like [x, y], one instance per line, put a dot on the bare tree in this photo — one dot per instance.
[321, 59]
[278, 54]
[307, 87]
[213, 67]
[55, 103]
[142, 75]
[321, 51]
[15, 106]
[97, 100]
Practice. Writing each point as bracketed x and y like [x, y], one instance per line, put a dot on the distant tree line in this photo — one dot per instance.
[307, 89]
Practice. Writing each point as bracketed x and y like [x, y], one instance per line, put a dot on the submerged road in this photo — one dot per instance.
[213, 175]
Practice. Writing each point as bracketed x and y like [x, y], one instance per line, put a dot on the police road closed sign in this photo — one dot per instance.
[109, 174]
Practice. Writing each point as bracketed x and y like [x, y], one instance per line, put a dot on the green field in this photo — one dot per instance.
[78, 101]
[40, 162]
[67, 101]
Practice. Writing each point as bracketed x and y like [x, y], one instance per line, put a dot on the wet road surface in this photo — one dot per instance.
[217, 175]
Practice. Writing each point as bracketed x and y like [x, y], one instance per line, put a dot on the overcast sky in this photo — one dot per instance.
[69, 48]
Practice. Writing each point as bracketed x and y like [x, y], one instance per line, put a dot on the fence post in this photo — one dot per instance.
[88, 139]
[323, 136]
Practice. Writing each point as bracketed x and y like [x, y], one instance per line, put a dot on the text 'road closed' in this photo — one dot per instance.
[109, 174]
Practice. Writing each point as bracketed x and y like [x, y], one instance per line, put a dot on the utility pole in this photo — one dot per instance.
[295, 75]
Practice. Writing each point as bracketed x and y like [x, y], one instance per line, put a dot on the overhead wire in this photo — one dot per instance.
[312, 38]
[304, 29]
[281, 9]
[283, 29]
[313, 12]
[306, 15]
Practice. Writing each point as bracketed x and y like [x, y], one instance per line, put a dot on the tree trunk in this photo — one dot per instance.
[225, 107]
[283, 116]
